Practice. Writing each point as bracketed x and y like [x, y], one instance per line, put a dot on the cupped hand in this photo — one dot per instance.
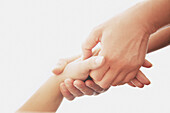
[71, 88]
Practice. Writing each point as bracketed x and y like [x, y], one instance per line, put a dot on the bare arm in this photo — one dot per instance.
[124, 41]
[48, 97]
[159, 39]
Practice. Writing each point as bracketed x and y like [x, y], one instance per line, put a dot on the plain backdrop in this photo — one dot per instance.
[35, 33]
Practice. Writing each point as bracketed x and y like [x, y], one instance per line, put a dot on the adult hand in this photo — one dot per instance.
[124, 41]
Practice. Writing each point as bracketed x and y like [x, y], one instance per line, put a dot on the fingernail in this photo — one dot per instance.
[99, 60]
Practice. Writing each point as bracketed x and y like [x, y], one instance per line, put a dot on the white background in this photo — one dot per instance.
[35, 33]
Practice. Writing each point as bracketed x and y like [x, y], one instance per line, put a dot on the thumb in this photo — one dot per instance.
[93, 62]
[90, 43]
[61, 64]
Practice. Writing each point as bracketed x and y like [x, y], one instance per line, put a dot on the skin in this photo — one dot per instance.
[78, 88]
[48, 97]
[124, 41]
[158, 40]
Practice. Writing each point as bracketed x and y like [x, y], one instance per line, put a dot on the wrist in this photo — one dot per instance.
[59, 78]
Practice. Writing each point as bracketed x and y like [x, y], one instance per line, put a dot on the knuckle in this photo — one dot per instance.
[137, 64]
[126, 80]
[84, 45]
[89, 84]
[96, 30]
[117, 80]
[140, 63]
[94, 75]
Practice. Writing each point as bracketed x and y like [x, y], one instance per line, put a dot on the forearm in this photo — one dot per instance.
[151, 14]
[47, 98]
[159, 39]
[157, 13]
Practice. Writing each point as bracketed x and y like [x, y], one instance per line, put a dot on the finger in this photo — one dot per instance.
[108, 78]
[131, 84]
[82, 87]
[94, 87]
[91, 63]
[98, 74]
[61, 64]
[120, 83]
[90, 43]
[137, 83]
[73, 90]
[72, 58]
[129, 77]
[142, 78]
[96, 51]
[65, 92]
[147, 64]
[119, 79]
